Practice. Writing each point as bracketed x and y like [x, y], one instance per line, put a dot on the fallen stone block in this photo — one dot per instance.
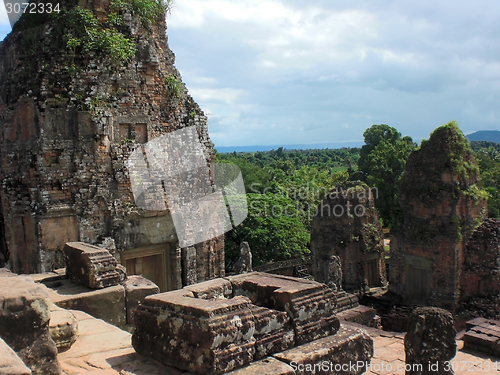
[91, 266]
[430, 339]
[10, 363]
[205, 336]
[310, 305]
[346, 352]
[136, 289]
[63, 327]
[24, 323]
[107, 304]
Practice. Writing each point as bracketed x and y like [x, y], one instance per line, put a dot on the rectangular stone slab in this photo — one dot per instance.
[348, 346]
[107, 304]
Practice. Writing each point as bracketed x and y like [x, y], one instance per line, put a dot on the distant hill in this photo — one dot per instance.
[485, 135]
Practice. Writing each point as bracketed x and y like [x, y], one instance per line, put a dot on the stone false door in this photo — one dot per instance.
[151, 262]
[418, 279]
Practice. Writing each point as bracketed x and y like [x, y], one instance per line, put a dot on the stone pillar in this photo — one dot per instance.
[189, 276]
[222, 261]
[430, 341]
[176, 268]
[91, 266]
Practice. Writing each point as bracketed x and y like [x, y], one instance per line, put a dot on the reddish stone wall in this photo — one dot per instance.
[440, 203]
[354, 233]
[63, 149]
[481, 267]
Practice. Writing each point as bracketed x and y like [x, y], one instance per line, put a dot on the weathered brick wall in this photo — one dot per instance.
[65, 139]
[481, 269]
[347, 225]
[440, 204]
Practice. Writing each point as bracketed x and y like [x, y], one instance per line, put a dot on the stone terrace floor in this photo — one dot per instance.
[103, 349]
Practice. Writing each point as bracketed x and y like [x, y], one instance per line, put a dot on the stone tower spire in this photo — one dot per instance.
[80, 89]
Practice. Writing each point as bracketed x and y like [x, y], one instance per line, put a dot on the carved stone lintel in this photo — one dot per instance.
[91, 266]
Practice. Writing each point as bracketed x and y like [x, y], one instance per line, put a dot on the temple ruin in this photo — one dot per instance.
[441, 203]
[480, 272]
[69, 120]
[346, 225]
[223, 324]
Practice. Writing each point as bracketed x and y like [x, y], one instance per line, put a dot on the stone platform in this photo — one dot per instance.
[103, 349]
[223, 324]
[114, 304]
[483, 335]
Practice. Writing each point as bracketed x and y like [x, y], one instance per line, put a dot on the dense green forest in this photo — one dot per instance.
[284, 188]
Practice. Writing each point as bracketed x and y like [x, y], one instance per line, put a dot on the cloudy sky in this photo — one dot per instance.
[271, 72]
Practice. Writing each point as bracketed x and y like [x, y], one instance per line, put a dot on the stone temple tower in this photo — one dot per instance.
[80, 89]
[441, 203]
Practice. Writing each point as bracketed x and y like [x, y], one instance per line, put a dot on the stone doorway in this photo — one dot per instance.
[418, 284]
[151, 262]
[371, 273]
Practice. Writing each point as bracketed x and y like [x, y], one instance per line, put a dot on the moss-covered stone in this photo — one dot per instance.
[441, 202]
[79, 91]
[347, 224]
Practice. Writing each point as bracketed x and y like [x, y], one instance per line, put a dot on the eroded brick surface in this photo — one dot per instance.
[222, 324]
[440, 207]
[67, 128]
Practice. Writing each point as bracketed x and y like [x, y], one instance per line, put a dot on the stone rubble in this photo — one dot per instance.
[24, 323]
[430, 340]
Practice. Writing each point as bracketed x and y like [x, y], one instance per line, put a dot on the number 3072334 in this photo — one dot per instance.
[32, 8]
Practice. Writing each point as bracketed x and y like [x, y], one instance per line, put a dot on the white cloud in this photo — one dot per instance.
[226, 95]
[268, 68]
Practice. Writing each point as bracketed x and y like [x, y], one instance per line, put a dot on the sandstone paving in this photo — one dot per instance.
[10, 363]
[389, 353]
[103, 349]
